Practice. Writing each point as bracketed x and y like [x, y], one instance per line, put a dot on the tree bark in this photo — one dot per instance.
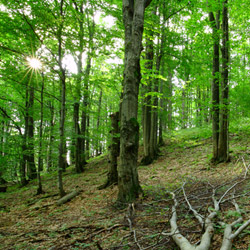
[114, 151]
[22, 170]
[85, 103]
[67, 197]
[50, 160]
[223, 151]
[128, 181]
[77, 141]
[98, 144]
[40, 160]
[169, 100]
[62, 75]
[31, 167]
[154, 150]
[215, 84]
[147, 101]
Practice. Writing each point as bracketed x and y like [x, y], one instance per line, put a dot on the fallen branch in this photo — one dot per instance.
[67, 197]
[207, 221]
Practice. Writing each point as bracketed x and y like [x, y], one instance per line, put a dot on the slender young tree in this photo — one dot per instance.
[147, 101]
[62, 75]
[29, 124]
[40, 160]
[223, 150]
[215, 23]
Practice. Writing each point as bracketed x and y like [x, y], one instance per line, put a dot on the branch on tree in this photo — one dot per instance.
[12, 50]
[7, 116]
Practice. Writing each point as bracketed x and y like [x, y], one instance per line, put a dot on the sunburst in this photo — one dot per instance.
[34, 63]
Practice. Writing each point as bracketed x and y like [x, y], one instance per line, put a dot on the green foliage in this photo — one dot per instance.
[232, 213]
[192, 134]
[240, 126]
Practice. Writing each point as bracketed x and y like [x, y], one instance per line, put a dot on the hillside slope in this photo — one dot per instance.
[91, 221]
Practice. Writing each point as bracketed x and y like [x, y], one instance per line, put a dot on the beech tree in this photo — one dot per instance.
[215, 22]
[220, 103]
[223, 150]
[128, 181]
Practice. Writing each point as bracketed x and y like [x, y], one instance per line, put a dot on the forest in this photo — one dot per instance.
[125, 124]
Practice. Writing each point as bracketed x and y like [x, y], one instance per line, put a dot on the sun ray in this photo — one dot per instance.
[34, 63]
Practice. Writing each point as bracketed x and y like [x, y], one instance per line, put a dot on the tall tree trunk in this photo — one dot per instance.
[198, 107]
[85, 103]
[128, 181]
[154, 150]
[40, 160]
[50, 158]
[62, 75]
[184, 108]
[30, 135]
[169, 100]
[215, 85]
[147, 101]
[77, 141]
[161, 116]
[98, 144]
[223, 137]
[88, 153]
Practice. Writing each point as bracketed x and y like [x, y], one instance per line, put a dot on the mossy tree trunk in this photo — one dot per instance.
[128, 181]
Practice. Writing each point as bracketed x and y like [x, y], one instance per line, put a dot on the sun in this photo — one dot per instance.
[34, 63]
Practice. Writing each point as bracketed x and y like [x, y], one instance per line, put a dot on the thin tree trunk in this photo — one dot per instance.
[30, 135]
[85, 105]
[77, 141]
[215, 84]
[2, 149]
[98, 144]
[147, 103]
[169, 100]
[161, 141]
[88, 153]
[22, 170]
[50, 159]
[2, 139]
[114, 150]
[62, 75]
[184, 108]
[40, 160]
[198, 108]
[223, 137]
[154, 150]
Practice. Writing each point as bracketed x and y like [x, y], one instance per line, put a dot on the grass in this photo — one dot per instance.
[91, 219]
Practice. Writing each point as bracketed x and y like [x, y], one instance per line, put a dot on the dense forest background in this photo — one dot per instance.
[82, 79]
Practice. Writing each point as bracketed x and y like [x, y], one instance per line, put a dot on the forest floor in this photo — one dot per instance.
[91, 221]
